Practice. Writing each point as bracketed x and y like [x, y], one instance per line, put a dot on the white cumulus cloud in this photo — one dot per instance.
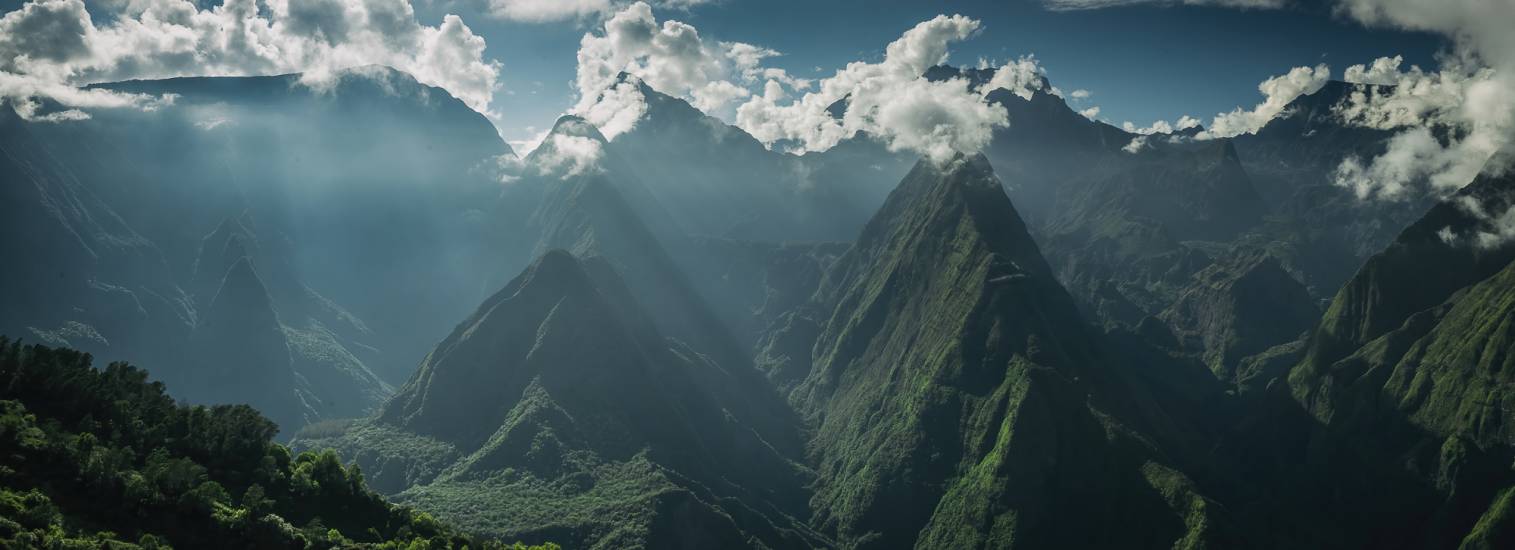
[51, 43]
[671, 57]
[542, 11]
[888, 99]
[568, 155]
[892, 101]
[1022, 77]
[1454, 124]
[1278, 92]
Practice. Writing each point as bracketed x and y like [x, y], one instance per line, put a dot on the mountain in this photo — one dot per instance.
[239, 353]
[103, 458]
[342, 194]
[1124, 219]
[1127, 237]
[558, 411]
[1321, 231]
[606, 211]
[1239, 307]
[959, 400]
[329, 347]
[80, 274]
[717, 180]
[1395, 285]
[1391, 431]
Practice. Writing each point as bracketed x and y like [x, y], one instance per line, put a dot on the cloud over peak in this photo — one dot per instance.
[672, 58]
[1278, 92]
[893, 101]
[890, 100]
[53, 43]
[1452, 124]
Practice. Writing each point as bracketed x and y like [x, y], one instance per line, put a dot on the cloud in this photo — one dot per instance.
[1411, 156]
[1080, 94]
[672, 58]
[550, 11]
[56, 42]
[1021, 77]
[568, 155]
[1157, 127]
[1091, 113]
[526, 146]
[23, 93]
[1137, 144]
[889, 99]
[892, 101]
[1384, 70]
[1498, 230]
[1453, 124]
[1278, 92]
[1077, 5]
[542, 11]
[936, 119]
[617, 109]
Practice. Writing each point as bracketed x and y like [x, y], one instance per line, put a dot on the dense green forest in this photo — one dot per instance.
[104, 458]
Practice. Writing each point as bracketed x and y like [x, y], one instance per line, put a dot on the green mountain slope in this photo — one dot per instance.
[102, 458]
[960, 401]
[1408, 382]
[558, 411]
[1238, 307]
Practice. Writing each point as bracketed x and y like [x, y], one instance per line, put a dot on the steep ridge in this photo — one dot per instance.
[959, 400]
[603, 211]
[558, 411]
[330, 347]
[1395, 284]
[1391, 431]
[1116, 214]
[239, 353]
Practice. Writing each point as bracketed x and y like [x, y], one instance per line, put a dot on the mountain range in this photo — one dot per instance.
[677, 337]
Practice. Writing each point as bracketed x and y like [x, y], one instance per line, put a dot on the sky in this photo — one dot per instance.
[772, 67]
[1140, 63]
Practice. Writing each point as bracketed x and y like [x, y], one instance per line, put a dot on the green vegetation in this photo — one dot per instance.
[960, 401]
[559, 412]
[97, 458]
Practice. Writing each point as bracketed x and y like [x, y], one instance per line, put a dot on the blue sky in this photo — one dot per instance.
[1141, 63]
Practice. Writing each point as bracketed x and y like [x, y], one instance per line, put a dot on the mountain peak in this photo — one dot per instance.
[243, 294]
[946, 324]
[575, 126]
[515, 336]
[964, 196]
